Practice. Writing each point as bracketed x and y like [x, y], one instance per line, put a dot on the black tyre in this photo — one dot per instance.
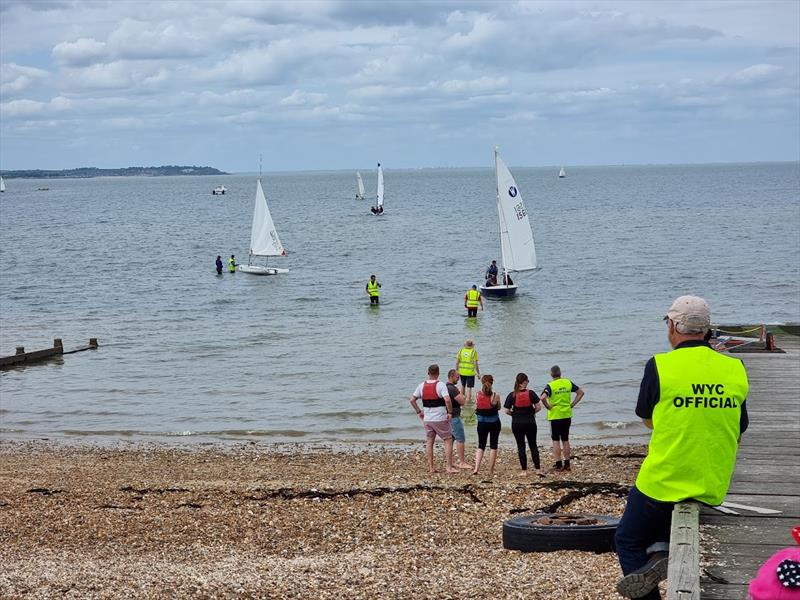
[550, 532]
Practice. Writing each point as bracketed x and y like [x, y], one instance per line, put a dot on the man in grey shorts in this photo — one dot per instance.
[456, 424]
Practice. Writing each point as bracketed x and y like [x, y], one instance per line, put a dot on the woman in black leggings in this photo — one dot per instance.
[487, 406]
[523, 404]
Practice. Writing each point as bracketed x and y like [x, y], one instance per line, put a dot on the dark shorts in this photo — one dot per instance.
[374, 299]
[559, 429]
[472, 312]
[468, 380]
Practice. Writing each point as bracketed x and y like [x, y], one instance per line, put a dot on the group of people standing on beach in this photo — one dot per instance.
[443, 403]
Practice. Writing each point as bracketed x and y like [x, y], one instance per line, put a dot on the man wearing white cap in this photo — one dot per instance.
[693, 399]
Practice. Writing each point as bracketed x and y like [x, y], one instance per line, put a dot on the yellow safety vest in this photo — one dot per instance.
[373, 288]
[473, 298]
[695, 426]
[467, 357]
[231, 265]
[560, 399]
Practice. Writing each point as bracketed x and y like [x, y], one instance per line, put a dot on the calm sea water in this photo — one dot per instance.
[303, 357]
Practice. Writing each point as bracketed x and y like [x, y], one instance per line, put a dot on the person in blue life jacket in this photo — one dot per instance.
[232, 264]
[693, 399]
[219, 265]
[491, 272]
[373, 290]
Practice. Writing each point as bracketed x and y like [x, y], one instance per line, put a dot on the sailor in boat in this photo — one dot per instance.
[219, 265]
[507, 279]
[491, 272]
[232, 264]
[472, 299]
[377, 210]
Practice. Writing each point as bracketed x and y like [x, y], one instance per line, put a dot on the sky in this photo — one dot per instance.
[328, 85]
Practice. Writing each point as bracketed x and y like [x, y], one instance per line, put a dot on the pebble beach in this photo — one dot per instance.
[291, 521]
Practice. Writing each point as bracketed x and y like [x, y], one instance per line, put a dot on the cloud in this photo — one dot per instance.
[298, 98]
[15, 78]
[754, 74]
[82, 52]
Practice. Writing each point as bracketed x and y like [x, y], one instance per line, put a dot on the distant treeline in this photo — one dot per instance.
[126, 172]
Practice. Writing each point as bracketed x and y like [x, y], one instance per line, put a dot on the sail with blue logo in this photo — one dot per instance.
[518, 251]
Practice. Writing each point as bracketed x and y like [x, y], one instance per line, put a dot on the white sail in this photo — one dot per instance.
[263, 236]
[379, 196]
[516, 238]
[360, 194]
[2, 185]
[562, 173]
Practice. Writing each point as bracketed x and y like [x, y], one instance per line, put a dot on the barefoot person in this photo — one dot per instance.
[456, 424]
[523, 404]
[435, 414]
[557, 399]
[487, 406]
[467, 366]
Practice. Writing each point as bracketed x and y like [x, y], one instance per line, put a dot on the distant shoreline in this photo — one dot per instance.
[89, 172]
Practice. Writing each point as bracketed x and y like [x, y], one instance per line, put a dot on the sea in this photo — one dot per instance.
[188, 355]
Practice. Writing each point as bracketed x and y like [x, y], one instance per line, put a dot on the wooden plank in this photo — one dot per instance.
[683, 572]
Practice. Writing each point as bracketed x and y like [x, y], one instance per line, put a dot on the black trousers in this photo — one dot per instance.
[523, 431]
[490, 430]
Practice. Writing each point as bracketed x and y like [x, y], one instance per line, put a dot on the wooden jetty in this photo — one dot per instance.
[23, 358]
[767, 475]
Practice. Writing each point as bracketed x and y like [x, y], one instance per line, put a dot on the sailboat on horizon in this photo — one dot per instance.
[2, 185]
[517, 249]
[264, 241]
[562, 173]
[360, 190]
[378, 208]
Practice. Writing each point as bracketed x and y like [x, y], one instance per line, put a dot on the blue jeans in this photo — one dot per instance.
[457, 429]
[644, 523]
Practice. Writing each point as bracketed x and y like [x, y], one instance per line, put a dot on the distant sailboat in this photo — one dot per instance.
[360, 192]
[2, 185]
[562, 173]
[517, 250]
[378, 208]
[264, 241]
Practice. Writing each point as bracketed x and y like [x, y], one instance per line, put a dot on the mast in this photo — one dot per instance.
[500, 220]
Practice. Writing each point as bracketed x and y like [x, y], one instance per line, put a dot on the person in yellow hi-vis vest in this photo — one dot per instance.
[232, 264]
[373, 290]
[693, 398]
[473, 299]
[557, 399]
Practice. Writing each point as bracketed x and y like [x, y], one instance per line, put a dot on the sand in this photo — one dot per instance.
[290, 521]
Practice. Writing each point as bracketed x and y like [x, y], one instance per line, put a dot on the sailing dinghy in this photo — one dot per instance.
[378, 208]
[264, 241]
[360, 192]
[562, 173]
[517, 251]
[2, 185]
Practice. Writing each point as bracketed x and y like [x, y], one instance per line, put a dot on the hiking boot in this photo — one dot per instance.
[639, 582]
[558, 466]
[567, 467]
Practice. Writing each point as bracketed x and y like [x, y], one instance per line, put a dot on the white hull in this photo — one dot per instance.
[256, 270]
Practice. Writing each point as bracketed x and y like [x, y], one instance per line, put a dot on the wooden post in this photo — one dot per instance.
[683, 572]
[93, 342]
[58, 344]
[20, 349]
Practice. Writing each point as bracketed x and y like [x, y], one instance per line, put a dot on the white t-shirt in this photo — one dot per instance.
[434, 413]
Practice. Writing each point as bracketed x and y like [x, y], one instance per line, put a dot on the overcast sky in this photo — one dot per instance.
[342, 85]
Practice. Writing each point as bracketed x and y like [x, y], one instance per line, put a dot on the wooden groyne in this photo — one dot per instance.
[767, 476]
[22, 358]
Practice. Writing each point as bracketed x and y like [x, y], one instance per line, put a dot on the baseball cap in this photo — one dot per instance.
[691, 312]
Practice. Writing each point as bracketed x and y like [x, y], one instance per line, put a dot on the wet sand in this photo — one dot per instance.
[290, 521]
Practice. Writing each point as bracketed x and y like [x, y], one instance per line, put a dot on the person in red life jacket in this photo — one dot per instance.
[557, 399]
[436, 412]
[487, 407]
[456, 424]
[523, 404]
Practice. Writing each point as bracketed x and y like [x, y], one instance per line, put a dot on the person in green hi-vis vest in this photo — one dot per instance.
[693, 398]
[557, 399]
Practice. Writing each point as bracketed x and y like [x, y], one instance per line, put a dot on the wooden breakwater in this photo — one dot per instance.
[767, 476]
[23, 358]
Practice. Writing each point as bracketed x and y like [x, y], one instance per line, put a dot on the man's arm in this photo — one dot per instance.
[578, 396]
[413, 402]
[649, 394]
[545, 396]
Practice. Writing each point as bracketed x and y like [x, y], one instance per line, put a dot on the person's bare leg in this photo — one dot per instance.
[429, 454]
[462, 463]
[448, 456]
[478, 460]
[556, 450]
[492, 460]
[567, 453]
